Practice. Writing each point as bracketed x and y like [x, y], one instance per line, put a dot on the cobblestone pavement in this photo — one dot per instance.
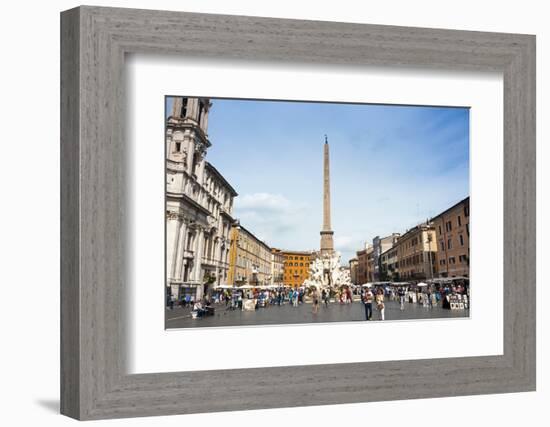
[286, 314]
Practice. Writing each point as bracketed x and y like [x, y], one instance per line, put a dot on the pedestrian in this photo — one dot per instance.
[401, 294]
[367, 300]
[315, 301]
[170, 301]
[240, 301]
[325, 296]
[380, 303]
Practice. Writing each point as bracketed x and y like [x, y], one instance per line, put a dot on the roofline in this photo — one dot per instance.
[417, 228]
[237, 223]
[451, 208]
[284, 251]
[221, 178]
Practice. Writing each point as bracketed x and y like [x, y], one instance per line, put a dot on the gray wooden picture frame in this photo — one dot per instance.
[94, 41]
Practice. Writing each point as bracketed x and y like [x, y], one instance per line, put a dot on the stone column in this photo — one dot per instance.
[177, 106]
[172, 236]
[200, 170]
[204, 124]
[199, 244]
[181, 250]
[190, 153]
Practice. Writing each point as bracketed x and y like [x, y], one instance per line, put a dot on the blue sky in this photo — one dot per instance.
[391, 167]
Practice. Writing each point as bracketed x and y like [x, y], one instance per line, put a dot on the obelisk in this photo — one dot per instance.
[327, 244]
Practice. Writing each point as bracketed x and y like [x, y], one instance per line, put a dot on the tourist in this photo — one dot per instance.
[349, 295]
[380, 303]
[325, 296]
[401, 293]
[198, 308]
[315, 297]
[367, 300]
[171, 301]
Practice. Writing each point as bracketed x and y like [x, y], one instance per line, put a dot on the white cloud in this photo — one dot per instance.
[263, 202]
[278, 221]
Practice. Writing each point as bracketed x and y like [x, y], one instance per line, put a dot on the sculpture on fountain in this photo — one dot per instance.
[326, 272]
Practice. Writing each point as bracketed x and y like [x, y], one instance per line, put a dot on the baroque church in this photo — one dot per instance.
[199, 204]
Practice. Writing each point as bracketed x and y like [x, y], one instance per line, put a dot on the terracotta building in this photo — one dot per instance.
[353, 270]
[365, 265]
[452, 229]
[296, 267]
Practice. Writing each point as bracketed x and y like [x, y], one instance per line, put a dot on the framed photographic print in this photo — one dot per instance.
[284, 187]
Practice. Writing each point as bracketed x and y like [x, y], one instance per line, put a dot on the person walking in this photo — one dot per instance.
[380, 303]
[430, 301]
[315, 296]
[401, 294]
[326, 296]
[368, 297]
[170, 301]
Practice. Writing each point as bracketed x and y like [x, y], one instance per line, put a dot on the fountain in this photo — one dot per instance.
[326, 272]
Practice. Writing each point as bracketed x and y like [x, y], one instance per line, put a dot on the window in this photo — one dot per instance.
[301, 264]
[468, 229]
[449, 244]
[467, 210]
[441, 262]
[451, 260]
[462, 258]
[459, 221]
[448, 226]
[461, 240]
[178, 147]
[440, 230]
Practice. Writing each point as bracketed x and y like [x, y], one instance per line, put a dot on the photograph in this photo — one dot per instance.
[291, 212]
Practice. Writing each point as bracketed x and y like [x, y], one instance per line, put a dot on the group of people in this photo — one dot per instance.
[281, 296]
[369, 298]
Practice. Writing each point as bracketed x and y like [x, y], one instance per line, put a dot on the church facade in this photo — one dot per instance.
[199, 204]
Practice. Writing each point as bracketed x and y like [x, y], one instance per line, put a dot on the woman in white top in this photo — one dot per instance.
[380, 303]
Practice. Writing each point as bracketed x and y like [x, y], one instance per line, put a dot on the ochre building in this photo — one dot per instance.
[296, 267]
[416, 252]
[249, 258]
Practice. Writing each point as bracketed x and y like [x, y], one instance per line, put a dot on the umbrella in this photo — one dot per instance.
[224, 287]
[366, 285]
[246, 287]
[422, 284]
